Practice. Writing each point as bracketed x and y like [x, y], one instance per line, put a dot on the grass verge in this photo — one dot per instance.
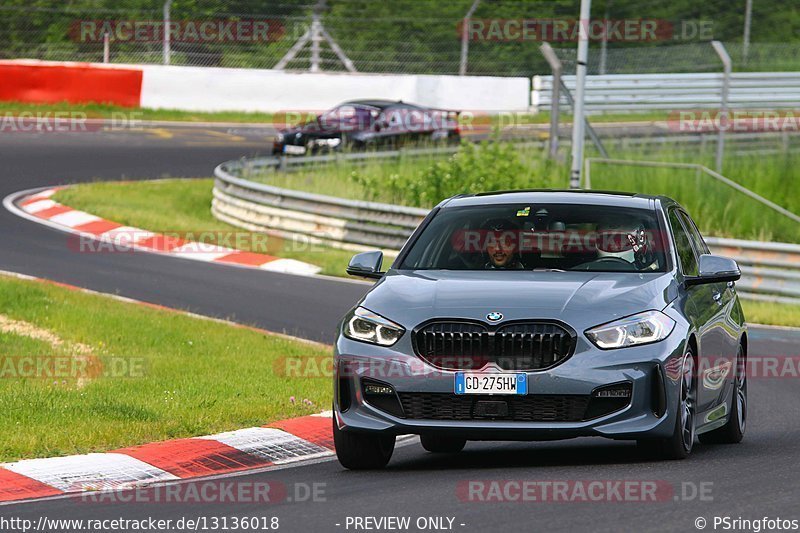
[164, 375]
[184, 207]
[771, 313]
[108, 111]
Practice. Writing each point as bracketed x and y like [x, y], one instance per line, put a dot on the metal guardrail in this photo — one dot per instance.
[771, 271]
[642, 92]
[313, 218]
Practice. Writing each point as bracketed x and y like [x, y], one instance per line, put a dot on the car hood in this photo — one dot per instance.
[581, 299]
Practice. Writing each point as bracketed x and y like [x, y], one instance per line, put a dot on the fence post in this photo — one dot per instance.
[167, 52]
[723, 117]
[556, 67]
[316, 40]
[462, 70]
[580, 85]
[748, 17]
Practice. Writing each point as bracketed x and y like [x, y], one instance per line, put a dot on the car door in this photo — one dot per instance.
[724, 331]
[700, 308]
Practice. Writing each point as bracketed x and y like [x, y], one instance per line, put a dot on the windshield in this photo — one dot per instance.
[566, 237]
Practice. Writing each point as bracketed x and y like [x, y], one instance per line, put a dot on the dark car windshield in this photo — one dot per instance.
[348, 115]
[567, 237]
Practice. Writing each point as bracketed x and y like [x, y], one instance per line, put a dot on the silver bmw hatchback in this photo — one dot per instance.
[541, 315]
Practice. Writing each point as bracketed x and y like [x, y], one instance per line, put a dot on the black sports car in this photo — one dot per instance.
[361, 124]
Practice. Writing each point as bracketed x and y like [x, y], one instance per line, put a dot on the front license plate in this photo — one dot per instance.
[491, 383]
[294, 150]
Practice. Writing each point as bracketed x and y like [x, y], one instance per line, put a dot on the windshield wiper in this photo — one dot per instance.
[548, 270]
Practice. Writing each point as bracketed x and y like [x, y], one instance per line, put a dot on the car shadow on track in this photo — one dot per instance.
[485, 455]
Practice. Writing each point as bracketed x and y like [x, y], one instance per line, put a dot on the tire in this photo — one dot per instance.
[733, 430]
[442, 444]
[362, 451]
[679, 444]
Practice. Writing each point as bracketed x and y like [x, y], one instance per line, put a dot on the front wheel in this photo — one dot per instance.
[362, 451]
[733, 430]
[679, 444]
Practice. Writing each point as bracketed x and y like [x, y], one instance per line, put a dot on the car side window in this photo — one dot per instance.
[700, 245]
[683, 245]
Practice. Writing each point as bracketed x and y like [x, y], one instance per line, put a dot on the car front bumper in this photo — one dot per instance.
[652, 370]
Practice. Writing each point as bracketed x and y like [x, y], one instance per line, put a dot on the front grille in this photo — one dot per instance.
[454, 345]
[527, 408]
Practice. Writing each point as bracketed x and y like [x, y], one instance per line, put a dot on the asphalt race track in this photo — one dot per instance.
[50, 159]
[757, 478]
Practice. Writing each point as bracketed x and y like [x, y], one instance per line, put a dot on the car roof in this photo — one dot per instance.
[557, 196]
[381, 104]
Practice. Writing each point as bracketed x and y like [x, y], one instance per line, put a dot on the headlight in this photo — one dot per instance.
[366, 326]
[279, 138]
[644, 328]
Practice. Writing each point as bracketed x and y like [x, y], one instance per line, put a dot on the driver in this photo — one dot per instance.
[626, 240]
[501, 245]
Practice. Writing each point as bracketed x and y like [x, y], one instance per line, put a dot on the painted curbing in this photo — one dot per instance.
[274, 445]
[110, 236]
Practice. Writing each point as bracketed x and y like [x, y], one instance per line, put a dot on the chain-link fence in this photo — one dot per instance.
[501, 37]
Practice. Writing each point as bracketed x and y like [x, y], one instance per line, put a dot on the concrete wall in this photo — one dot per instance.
[222, 89]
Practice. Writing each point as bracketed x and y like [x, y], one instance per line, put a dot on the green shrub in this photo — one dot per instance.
[487, 166]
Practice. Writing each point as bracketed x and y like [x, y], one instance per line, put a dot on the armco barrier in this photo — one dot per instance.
[314, 218]
[770, 271]
[676, 92]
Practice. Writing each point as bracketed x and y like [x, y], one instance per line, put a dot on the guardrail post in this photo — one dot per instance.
[723, 112]
[556, 67]
[106, 48]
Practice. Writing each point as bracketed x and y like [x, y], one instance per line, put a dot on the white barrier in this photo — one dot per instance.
[224, 89]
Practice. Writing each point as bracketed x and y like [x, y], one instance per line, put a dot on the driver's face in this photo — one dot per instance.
[501, 250]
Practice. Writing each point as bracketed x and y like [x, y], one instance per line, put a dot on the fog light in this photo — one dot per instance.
[382, 396]
[608, 399]
[378, 389]
[618, 390]
[613, 393]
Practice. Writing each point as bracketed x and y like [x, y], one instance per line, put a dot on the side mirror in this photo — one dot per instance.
[715, 269]
[366, 265]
